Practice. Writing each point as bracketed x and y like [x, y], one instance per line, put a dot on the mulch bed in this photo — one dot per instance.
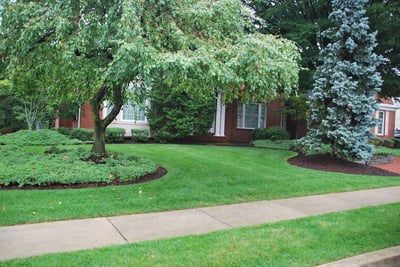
[325, 162]
[160, 172]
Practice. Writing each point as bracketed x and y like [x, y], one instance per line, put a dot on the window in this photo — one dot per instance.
[133, 113]
[251, 116]
[381, 123]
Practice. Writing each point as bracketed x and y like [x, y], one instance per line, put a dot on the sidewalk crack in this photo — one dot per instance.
[116, 229]
[215, 218]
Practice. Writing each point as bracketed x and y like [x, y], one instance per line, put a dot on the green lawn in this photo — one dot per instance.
[197, 176]
[301, 242]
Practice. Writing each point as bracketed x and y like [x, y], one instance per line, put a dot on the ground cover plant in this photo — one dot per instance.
[302, 242]
[276, 144]
[60, 166]
[197, 176]
[42, 137]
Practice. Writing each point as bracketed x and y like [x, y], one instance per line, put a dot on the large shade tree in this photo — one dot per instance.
[346, 84]
[93, 50]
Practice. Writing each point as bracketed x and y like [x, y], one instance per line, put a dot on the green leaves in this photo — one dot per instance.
[58, 166]
[89, 51]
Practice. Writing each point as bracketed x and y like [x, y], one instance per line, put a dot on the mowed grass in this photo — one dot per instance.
[302, 242]
[197, 176]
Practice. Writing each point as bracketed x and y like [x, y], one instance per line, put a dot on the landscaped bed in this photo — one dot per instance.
[65, 168]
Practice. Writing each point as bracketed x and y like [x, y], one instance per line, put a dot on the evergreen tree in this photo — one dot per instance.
[346, 85]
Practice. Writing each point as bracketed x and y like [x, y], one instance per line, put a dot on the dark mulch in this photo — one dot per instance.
[325, 162]
[161, 171]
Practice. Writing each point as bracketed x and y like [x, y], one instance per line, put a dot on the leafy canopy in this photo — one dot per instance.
[92, 50]
[304, 21]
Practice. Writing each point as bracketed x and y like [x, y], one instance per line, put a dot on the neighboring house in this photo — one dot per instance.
[232, 123]
[386, 113]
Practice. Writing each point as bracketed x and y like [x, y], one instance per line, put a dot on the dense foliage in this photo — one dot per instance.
[60, 166]
[42, 137]
[91, 51]
[346, 84]
[273, 133]
[115, 135]
[175, 114]
[82, 134]
[11, 110]
[304, 21]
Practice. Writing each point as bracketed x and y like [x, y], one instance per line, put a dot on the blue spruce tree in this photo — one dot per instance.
[345, 85]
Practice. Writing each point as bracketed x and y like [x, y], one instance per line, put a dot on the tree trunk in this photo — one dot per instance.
[100, 125]
[332, 151]
[99, 144]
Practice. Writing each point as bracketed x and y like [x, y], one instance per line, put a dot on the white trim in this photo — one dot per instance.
[388, 107]
[383, 123]
[219, 117]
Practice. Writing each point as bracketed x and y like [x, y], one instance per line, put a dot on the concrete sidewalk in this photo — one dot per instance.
[42, 238]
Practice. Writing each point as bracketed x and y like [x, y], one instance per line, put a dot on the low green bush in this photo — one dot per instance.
[140, 135]
[64, 131]
[259, 134]
[61, 166]
[275, 144]
[389, 143]
[396, 142]
[82, 134]
[277, 133]
[273, 133]
[43, 137]
[376, 141]
[115, 135]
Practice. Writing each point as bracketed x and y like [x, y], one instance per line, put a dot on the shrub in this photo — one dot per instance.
[176, 114]
[115, 135]
[389, 143]
[61, 166]
[140, 135]
[42, 137]
[64, 131]
[376, 141]
[82, 134]
[396, 142]
[277, 133]
[260, 134]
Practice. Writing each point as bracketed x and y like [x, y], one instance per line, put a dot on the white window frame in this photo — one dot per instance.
[261, 123]
[380, 128]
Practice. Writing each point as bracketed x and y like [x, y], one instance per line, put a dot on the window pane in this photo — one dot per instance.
[239, 118]
[251, 116]
[261, 119]
[240, 122]
[128, 113]
[133, 113]
[381, 125]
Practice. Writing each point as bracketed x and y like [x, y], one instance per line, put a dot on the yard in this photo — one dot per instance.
[200, 175]
[197, 176]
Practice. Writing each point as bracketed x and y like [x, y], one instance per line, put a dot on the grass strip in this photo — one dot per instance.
[302, 242]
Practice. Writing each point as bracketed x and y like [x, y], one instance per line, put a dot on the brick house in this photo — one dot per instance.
[386, 113]
[233, 123]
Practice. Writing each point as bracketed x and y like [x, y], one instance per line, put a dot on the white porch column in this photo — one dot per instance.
[220, 117]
